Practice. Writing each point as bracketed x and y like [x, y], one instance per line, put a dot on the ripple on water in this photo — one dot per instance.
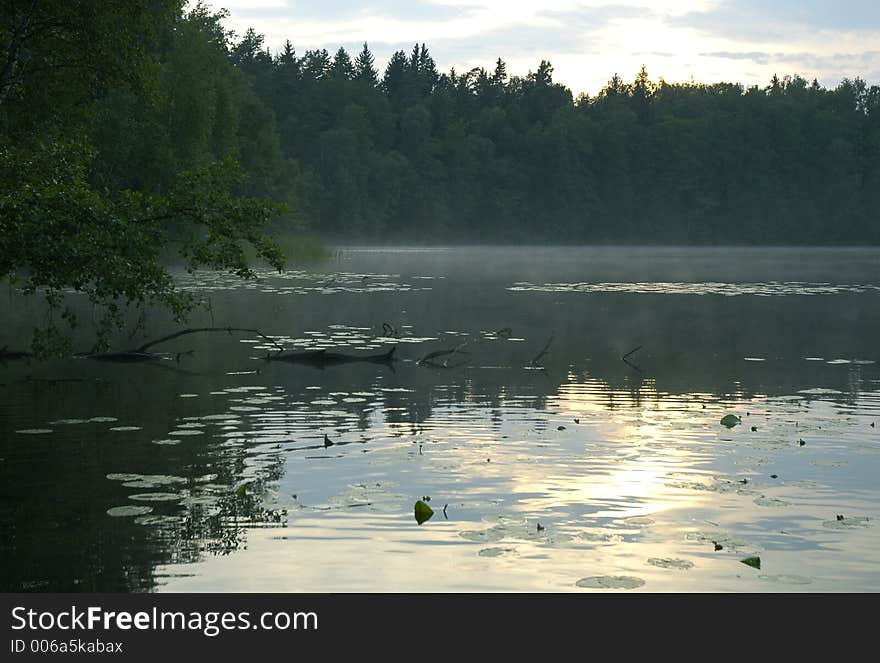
[638, 521]
[784, 579]
[157, 519]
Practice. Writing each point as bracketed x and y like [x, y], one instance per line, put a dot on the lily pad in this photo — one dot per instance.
[155, 497]
[730, 420]
[770, 501]
[483, 535]
[671, 563]
[129, 510]
[423, 512]
[610, 582]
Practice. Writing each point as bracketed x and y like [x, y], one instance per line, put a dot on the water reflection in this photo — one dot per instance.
[214, 473]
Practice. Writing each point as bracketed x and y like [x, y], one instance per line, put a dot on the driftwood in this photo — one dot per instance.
[322, 358]
[199, 330]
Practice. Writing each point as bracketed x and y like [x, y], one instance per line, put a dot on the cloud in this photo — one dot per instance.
[346, 9]
[830, 68]
[587, 40]
[754, 20]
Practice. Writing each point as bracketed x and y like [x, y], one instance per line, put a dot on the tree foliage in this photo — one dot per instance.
[121, 128]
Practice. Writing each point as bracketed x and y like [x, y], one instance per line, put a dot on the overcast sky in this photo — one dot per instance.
[587, 41]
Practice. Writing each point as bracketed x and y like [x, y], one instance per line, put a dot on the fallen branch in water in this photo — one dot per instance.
[428, 359]
[628, 363]
[544, 350]
[633, 351]
[140, 354]
[229, 330]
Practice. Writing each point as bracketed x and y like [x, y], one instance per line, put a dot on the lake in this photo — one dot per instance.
[570, 439]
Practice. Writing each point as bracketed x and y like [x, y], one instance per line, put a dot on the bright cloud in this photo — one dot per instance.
[589, 40]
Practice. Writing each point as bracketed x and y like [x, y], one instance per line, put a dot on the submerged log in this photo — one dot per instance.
[129, 357]
[322, 358]
[11, 355]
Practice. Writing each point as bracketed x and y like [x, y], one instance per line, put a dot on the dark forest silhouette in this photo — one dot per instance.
[415, 154]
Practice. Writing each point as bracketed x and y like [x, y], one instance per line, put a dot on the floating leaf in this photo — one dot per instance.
[754, 562]
[423, 512]
[671, 563]
[610, 582]
[123, 511]
[730, 420]
[155, 497]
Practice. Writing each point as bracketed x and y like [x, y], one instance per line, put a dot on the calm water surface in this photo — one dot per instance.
[575, 472]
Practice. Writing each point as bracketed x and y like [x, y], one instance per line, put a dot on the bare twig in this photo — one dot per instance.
[544, 350]
[633, 351]
[429, 358]
[197, 330]
[630, 364]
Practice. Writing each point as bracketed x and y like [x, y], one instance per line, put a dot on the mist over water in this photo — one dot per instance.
[573, 472]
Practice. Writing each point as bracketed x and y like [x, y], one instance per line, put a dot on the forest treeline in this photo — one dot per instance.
[412, 154]
[135, 132]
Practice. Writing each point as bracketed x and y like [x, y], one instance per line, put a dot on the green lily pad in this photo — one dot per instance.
[423, 512]
[610, 582]
[754, 562]
[730, 420]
